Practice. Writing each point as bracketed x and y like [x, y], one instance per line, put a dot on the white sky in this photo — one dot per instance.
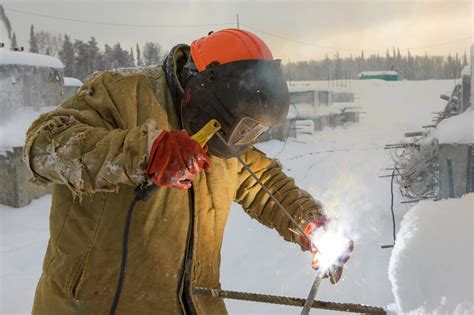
[437, 27]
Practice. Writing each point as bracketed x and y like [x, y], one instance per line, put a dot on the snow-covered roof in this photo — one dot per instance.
[457, 129]
[68, 81]
[306, 88]
[8, 57]
[466, 71]
[371, 73]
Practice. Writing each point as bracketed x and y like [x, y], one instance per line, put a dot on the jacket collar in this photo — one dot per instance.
[173, 62]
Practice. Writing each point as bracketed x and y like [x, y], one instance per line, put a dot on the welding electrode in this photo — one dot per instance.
[319, 275]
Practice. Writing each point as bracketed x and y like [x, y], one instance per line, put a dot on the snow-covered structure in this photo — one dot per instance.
[28, 80]
[314, 108]
[71, 85]
[438, 163]
[465, 101]
[455, 138]
[381, 75]
[29, 84]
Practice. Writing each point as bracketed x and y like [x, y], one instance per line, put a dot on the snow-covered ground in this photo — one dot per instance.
[338, 166]
[24, 235]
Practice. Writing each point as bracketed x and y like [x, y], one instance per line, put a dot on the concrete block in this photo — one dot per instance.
[455, 170]
[15, 188]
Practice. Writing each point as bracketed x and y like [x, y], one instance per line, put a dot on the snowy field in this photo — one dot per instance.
[340, 167]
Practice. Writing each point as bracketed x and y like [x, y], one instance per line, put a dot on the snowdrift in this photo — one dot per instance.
[431, 267]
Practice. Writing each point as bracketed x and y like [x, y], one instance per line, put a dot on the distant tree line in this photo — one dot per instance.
[408, 66]
[82, 58]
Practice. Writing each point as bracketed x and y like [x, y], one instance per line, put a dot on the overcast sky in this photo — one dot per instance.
[294, 30]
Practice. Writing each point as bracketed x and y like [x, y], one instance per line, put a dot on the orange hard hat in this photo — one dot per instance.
[228, 45]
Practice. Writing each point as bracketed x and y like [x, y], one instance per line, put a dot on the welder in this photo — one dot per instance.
[124, 127]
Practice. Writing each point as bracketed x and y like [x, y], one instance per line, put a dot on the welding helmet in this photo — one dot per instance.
[242, 87]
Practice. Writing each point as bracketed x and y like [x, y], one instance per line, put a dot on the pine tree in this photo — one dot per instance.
[132, 58]
[66, 54]
[119, 56]
[32, 41]
[93, 52]
[100, 64]
[14, 43]
[108, 60]
[464, 57]
[151, 53]
[139, 57]
[82, 60]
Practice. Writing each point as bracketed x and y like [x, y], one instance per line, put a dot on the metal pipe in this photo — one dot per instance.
[290, 301]
[312, 294]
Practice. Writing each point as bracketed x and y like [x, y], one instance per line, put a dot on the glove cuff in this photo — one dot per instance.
[316, 221]
[152, 136]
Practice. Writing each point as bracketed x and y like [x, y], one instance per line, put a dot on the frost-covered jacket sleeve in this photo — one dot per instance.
[258, 204]
[92, 142]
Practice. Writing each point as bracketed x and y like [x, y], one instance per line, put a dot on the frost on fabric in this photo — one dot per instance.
[112, 167]
[53, 166]
[430, 269]
[70, 172]
[126, 71]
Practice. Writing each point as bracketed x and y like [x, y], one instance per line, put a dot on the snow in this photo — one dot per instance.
[457, 129]
[371, 73]
[338, 166]
[13, 130]
[466, 71]
[9, 57]
[68, 81]
[292, 87]
[24, 236]
[431, 268]
[305, 86]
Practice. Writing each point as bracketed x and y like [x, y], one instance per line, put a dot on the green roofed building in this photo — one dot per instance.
[381, 75]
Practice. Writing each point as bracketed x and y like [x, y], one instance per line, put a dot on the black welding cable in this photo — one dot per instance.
[391, 209]
[123, 263]
[142, 193]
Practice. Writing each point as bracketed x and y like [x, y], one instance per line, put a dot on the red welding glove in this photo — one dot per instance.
[334, 272]
[175, 159]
